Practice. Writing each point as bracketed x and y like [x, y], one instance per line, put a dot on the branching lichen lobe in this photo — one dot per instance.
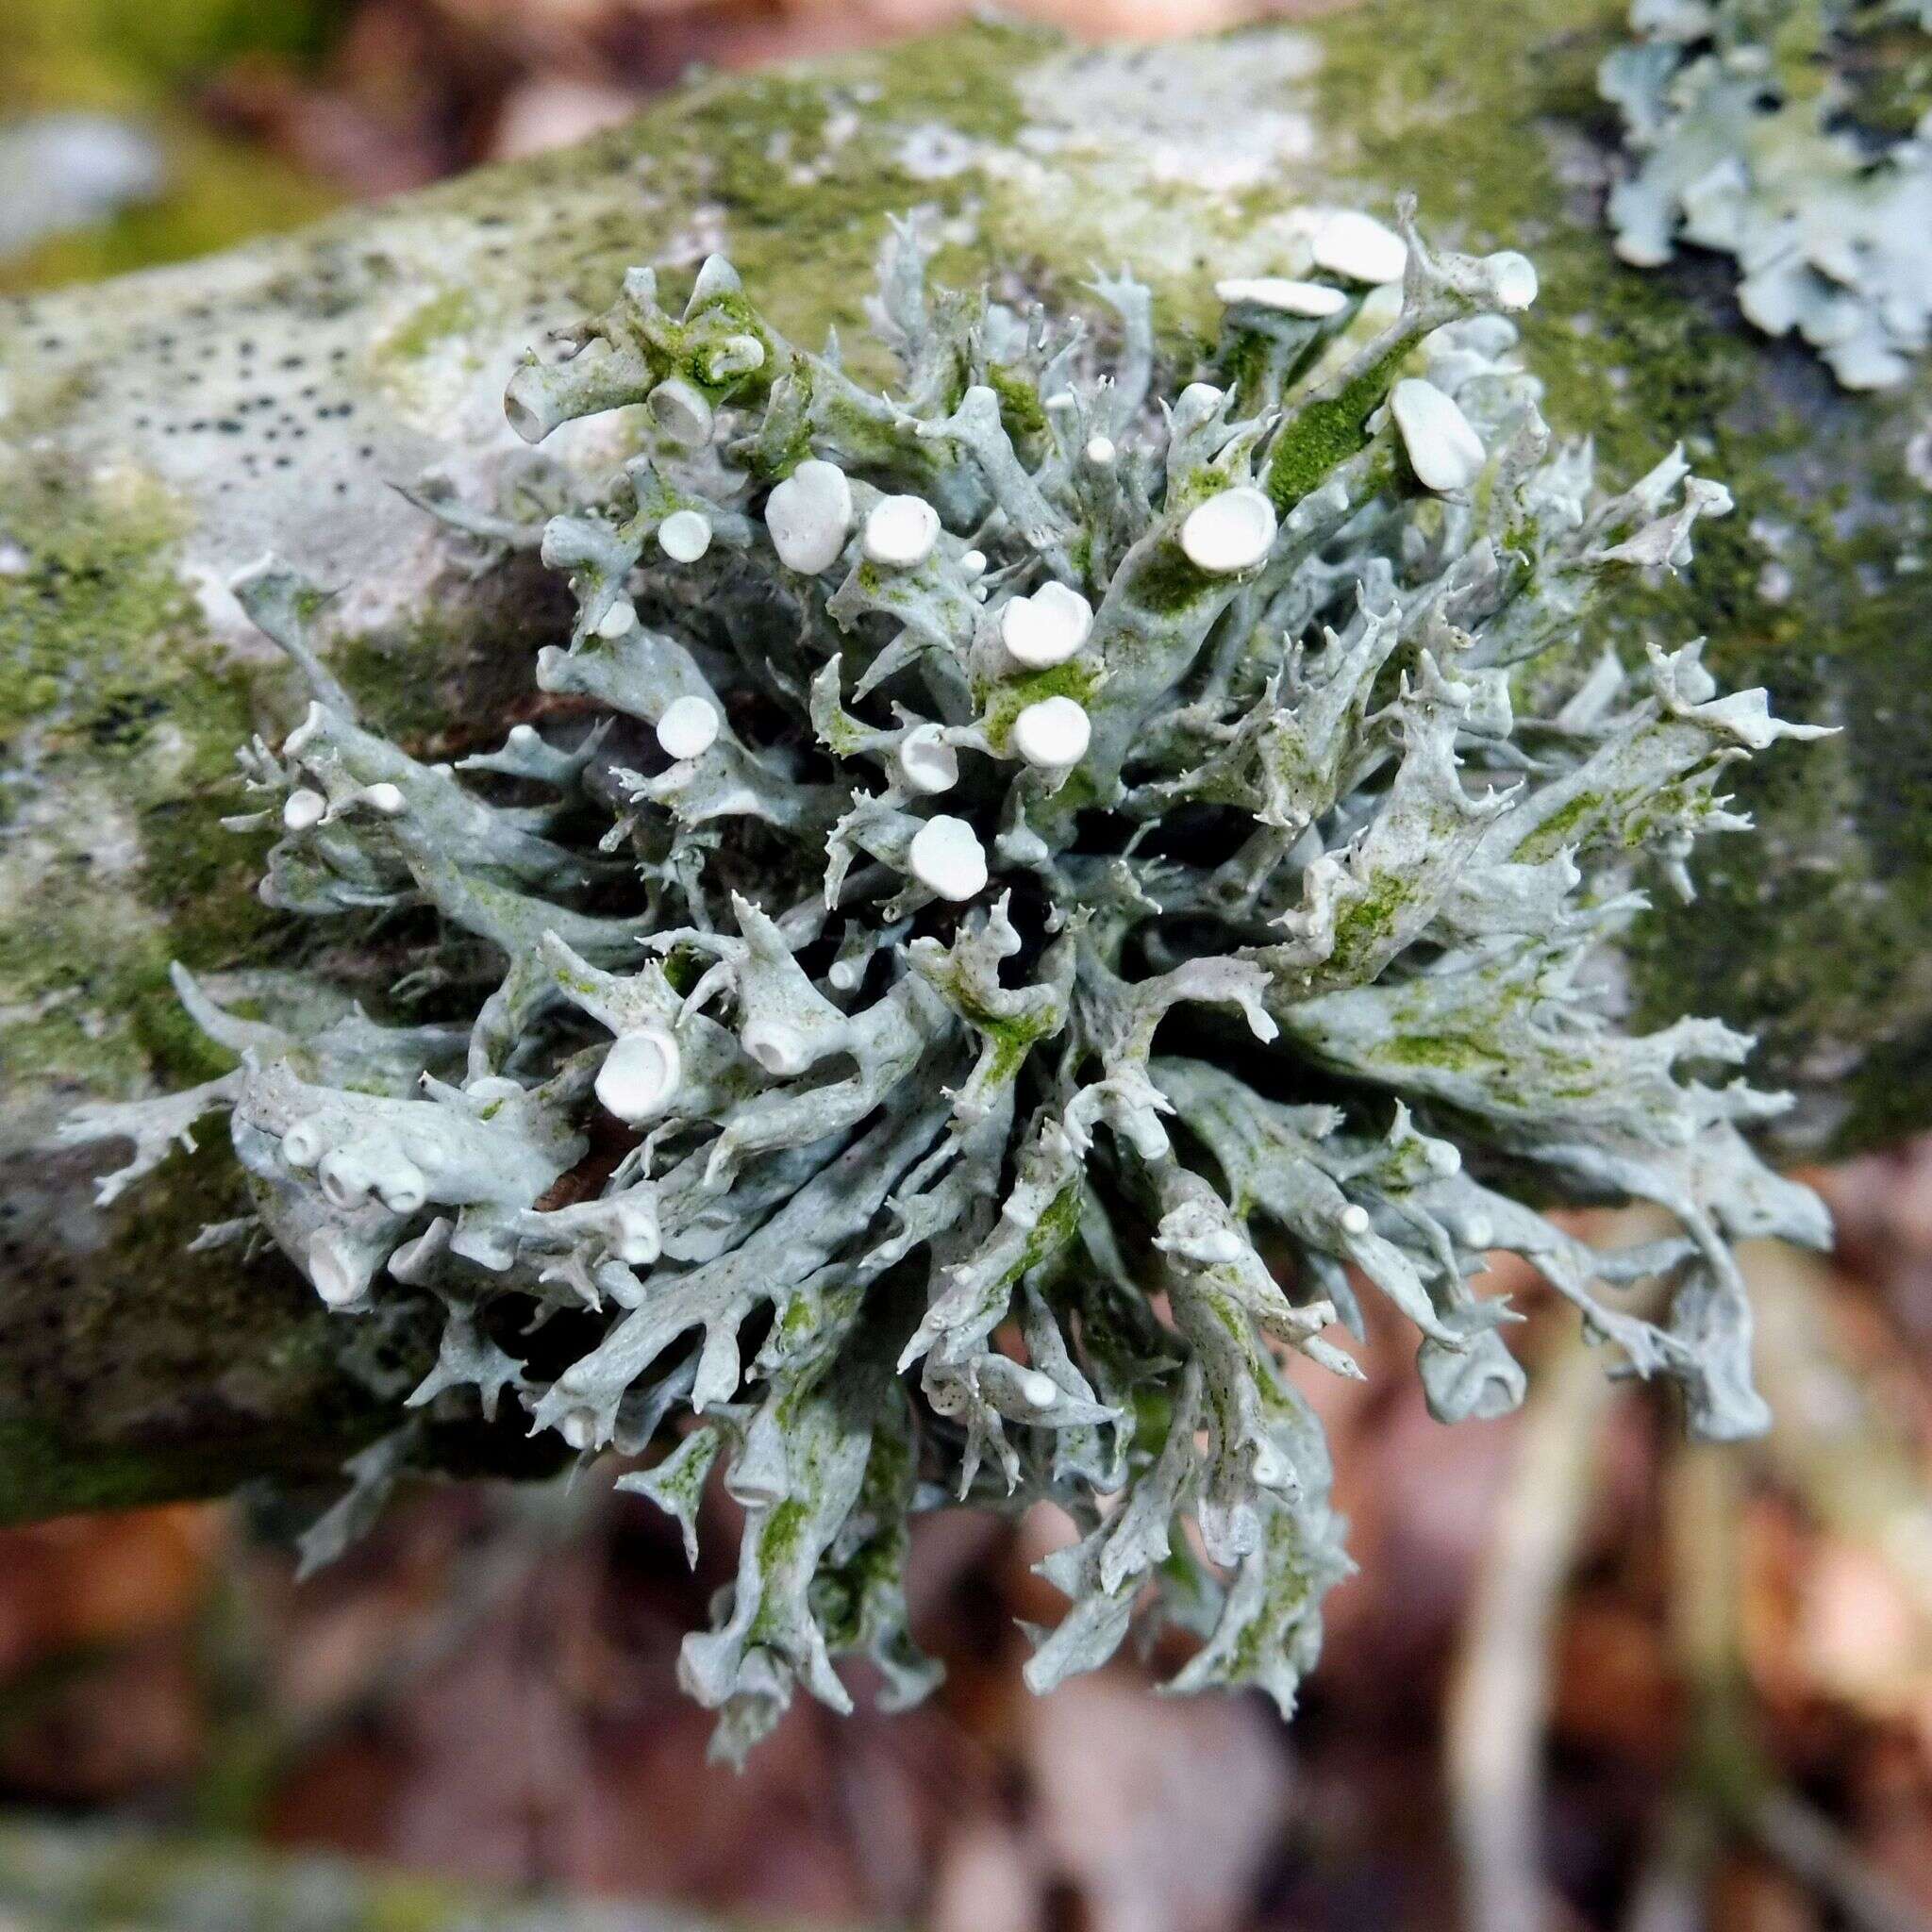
[868, 994]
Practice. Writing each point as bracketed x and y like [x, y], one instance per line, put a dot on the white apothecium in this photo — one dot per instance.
[1047, 628]
[1053, 734]
[1514, 277]
[1443, 451]
[684, 536]
[1231, 531]
[689, 727]
[809, 516]
[1314, 300]
[948, 858]
[1038, 1390]
[901, 531]
[927, 763]
[640, 1073]
[338, 1273]
[1360, 247]
[303, 808]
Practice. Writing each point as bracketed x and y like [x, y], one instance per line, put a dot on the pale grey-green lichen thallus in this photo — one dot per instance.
[987, 950]
[1758, 128]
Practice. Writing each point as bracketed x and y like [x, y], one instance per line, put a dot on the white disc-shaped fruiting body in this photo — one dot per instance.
[578, 1428]
[1355, 1218]
[684, 536]
[1231, 531]
[1038, 1390]
[1443, 451]
[1286, 296]
[947, 858]
[305, 1143]
[344, 1178]
[779, 1047]
[1100, 451]
[926, 762]
[339, 1275]
[1053, 734]
[1047, 628]
[640, 1073]
[689, 726]
[1514, 277]
[1360, 247]
[303, 808]
[400, 1186]
[901, 531]
[683, 411]
[635, 1238]
[736, 356]
[384, 799]
[620, 618]
[809, 515]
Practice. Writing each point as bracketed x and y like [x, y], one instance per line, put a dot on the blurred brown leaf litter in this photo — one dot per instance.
[1738, 1680]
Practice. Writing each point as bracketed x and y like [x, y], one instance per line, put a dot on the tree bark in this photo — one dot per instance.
[158, 432]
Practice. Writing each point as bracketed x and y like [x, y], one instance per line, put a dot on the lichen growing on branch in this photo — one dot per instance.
[1018, 902]
[1796, 136]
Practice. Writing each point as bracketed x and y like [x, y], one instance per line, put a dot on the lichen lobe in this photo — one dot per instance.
[900, 1069]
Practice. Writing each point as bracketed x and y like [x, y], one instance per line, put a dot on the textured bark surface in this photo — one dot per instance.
[157, 432]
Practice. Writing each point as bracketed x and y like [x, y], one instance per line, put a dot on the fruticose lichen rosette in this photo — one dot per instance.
[1019, 902]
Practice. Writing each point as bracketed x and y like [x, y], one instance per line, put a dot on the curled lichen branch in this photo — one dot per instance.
[1021, 905]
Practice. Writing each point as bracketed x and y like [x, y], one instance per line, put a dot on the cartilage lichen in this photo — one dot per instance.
[1019, 902]
[1796, 136]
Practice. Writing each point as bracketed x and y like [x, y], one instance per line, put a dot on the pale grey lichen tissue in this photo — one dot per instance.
[1753, 133]
[1021, 893]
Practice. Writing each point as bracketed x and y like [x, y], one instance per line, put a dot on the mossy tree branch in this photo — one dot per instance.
[160, 432]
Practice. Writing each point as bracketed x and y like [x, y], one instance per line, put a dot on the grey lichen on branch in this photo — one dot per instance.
[1796, 137]
[1024, 893]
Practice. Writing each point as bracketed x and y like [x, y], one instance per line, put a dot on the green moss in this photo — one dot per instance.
[125, 57]
[1362, 926]
[111, 696]
[1022, 414]
[1562, 828]
[48, 1473]
[1077, 678]
[1449, 1053]
[160, 42]
[1326, 434]
[218, 193]
[792, 188]
[1167, 583]
[450, 313]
